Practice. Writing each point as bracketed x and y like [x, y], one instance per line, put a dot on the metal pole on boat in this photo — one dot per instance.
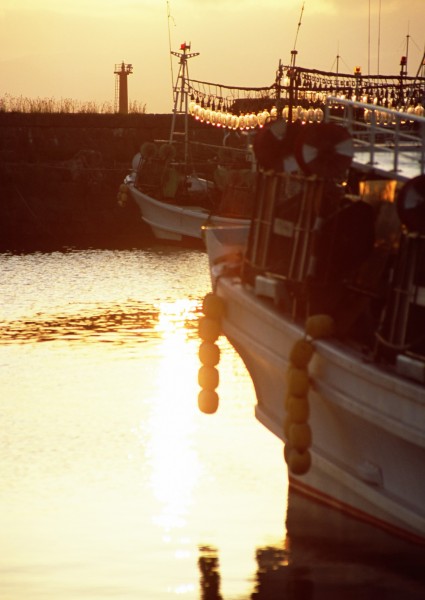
[292, 84]
[293, 73]
[279, 75]
[181, 96]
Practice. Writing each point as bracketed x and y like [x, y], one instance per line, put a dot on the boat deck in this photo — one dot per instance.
[409, 163]
[386, 141]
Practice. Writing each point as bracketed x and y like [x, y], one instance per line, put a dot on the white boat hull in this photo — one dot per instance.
[171, 222]
[368, 450]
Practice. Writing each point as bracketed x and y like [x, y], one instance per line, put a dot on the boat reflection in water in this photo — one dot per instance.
[325, 555]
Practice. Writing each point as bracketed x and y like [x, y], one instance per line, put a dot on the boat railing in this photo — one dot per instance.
[385, 140]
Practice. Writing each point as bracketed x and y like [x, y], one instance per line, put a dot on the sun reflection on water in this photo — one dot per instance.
[175, 464]
[143, 491]
[187, 450]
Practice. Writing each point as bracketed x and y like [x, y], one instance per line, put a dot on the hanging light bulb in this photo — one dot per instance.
[266, 116]
[235, 122]
[253, 120]
[310, 115]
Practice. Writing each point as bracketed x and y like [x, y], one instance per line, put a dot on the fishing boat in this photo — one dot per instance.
[325, 303]
[180, 184]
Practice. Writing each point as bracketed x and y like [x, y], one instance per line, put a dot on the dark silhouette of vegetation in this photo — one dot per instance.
[20, 104]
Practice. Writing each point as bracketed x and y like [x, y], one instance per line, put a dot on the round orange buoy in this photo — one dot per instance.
[209, 354]
[208, 377]
[319, 326]
[122, 199]
[298, 381]
[299, 462]
[208, 401]
[213, 306]
[208, 329]
[298, 409]
[300, 436]
[301, 353]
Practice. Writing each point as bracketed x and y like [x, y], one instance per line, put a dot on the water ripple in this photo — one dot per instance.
[107, 324]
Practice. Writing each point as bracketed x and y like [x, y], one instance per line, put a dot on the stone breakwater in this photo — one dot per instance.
[60, 174]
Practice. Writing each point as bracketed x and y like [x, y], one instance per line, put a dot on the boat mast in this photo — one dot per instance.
[278, 83]
[169, 18]
[181, 104]
[337, 66]
[293, 71]
[379, 36]
[403, 72]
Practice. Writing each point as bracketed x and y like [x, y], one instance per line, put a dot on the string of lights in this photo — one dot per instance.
[299, 93]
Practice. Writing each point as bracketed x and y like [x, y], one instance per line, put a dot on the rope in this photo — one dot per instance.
[399, 347]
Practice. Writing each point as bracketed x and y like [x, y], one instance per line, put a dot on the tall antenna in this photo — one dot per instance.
[337, 64]
[293, 75]
[299, 25]
[379, 34]
[407, 46]
[169, 18]
[368, 44]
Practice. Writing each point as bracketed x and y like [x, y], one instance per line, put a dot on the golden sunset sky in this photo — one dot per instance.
[54, 49]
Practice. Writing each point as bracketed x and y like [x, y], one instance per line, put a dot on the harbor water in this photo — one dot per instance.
[115, 485]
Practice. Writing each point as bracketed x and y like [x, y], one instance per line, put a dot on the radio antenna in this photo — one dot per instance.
[299, 25]
[170, 18]
[379, 36]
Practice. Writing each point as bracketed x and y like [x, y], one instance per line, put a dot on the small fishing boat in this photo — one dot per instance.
[325, 303]
[180, 184]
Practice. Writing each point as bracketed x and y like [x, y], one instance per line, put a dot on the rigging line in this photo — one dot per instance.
[416, 45]
[368, 44]
[421, 66]
[379, 35]
[337, 59]
[299, 25]
[169, 17]
[232, 87]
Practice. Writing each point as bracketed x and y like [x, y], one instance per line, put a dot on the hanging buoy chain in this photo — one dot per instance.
[209, 329]
[296, 428]
[122, 197]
